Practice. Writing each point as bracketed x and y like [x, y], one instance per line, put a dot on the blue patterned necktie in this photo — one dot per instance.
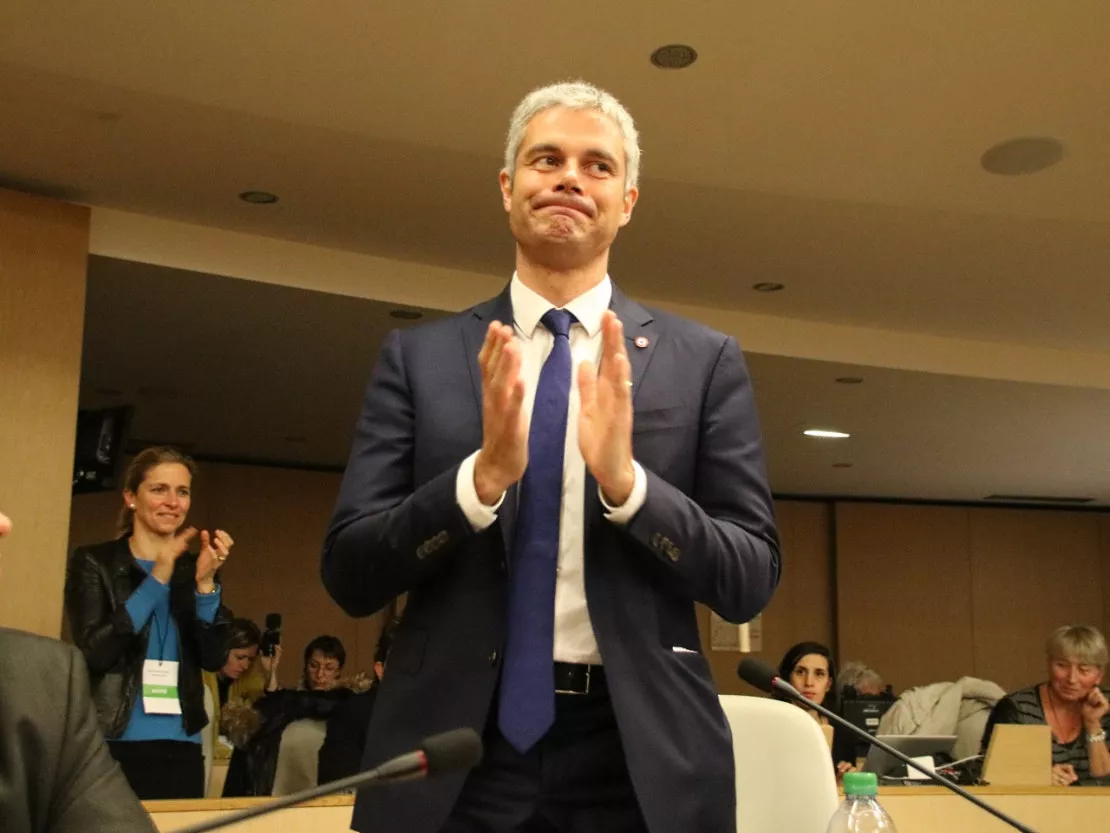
[526, 707]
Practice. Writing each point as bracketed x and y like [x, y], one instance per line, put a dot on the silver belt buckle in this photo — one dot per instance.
[580, 693]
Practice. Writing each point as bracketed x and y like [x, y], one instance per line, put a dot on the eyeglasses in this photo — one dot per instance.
[327, 667]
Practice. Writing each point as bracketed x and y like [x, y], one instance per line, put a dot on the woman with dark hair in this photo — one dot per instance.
[324, 658]
[321, 691]
[141, 609]
[810, 668]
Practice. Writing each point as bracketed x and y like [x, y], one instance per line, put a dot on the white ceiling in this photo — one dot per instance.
[831, 147]
[231, 369]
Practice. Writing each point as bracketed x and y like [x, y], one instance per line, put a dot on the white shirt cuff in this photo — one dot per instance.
[621, 515]
[479, 515]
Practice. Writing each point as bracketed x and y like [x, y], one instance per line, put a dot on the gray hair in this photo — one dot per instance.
[1078, 642]
[575, 95]
[855, 674]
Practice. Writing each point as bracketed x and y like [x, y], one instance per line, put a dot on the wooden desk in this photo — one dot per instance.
[324, 815]
[914, 810]
[1045, 809]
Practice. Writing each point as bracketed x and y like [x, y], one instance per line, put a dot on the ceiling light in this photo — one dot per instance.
[674, 56]
[1023, 155]
[849, 380]
[258, 197]
[406, 314]
[768, 286]
[826, 434]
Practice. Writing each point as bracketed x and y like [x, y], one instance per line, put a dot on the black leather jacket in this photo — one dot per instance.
[99, 580]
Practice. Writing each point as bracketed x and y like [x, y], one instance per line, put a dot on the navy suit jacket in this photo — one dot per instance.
[705, 533]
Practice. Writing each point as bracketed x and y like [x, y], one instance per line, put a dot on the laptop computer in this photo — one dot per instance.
[912, 746]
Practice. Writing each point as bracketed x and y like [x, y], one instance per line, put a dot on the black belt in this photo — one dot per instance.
[577, 678]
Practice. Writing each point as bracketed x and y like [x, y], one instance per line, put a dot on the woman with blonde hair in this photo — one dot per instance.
[1071, 703]
[141, 608]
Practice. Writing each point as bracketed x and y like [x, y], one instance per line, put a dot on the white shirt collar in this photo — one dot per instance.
[529, 306]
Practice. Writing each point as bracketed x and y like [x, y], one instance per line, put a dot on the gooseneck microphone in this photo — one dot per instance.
[456, 751]
[762, 676]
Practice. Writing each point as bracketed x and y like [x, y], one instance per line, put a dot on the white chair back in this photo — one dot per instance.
[298, 756]
[785, 781]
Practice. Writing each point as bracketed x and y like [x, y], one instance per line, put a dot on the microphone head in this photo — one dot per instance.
[273, 621]
[454, 751]
[757, 673]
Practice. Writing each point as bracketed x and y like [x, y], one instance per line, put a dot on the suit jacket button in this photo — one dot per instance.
[493, 657]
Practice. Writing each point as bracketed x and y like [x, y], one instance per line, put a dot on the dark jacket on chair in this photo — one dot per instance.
[56, 775]
[99, 580]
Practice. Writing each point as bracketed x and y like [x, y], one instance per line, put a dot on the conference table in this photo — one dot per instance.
[914, 810]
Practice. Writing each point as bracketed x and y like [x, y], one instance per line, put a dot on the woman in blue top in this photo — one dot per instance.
[141, 609]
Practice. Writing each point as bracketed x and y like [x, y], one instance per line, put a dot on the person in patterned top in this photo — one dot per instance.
[1071, 703]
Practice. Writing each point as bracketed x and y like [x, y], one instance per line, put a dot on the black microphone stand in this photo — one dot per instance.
[362, 779]
[792, 693]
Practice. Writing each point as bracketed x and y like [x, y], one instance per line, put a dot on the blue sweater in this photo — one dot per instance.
[151, 602]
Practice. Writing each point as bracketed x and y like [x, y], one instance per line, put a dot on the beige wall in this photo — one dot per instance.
[277, 518]
[802, 608]
[43, 254]
[929, 593]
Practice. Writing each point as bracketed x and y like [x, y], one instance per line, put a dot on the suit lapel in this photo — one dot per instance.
[474, 333]
[640, 335]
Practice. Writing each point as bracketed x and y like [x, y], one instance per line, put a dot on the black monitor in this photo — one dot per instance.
[98, 453]
[865, 711]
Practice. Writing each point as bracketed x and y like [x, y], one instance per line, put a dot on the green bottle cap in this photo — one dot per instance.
[861, 783]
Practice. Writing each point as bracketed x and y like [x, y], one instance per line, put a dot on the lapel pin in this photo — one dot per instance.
[641, 342]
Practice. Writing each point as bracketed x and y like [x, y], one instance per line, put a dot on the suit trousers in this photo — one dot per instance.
[574, 780]
[158, 769]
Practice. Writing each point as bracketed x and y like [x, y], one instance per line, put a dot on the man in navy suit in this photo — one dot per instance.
[553, 528]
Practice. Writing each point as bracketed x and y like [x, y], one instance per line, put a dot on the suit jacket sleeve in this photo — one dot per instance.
[91, 795]
[387, 534]
[720, 541]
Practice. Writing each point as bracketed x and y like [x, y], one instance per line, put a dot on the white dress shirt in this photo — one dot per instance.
[574, 634]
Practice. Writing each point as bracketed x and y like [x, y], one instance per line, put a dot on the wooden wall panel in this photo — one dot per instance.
[903, 584]
[802, 606]
[1032, 572]
[44, 248]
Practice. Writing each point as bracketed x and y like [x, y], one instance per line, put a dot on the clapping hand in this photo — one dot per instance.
[214, 551]
[605, 416]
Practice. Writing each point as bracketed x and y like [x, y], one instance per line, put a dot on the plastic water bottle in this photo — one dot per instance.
[861, 812]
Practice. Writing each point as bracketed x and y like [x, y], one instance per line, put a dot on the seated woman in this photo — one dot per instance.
[320, 692]
[810, 668]
[1070, 702]
[141, 608]
[244, 677]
